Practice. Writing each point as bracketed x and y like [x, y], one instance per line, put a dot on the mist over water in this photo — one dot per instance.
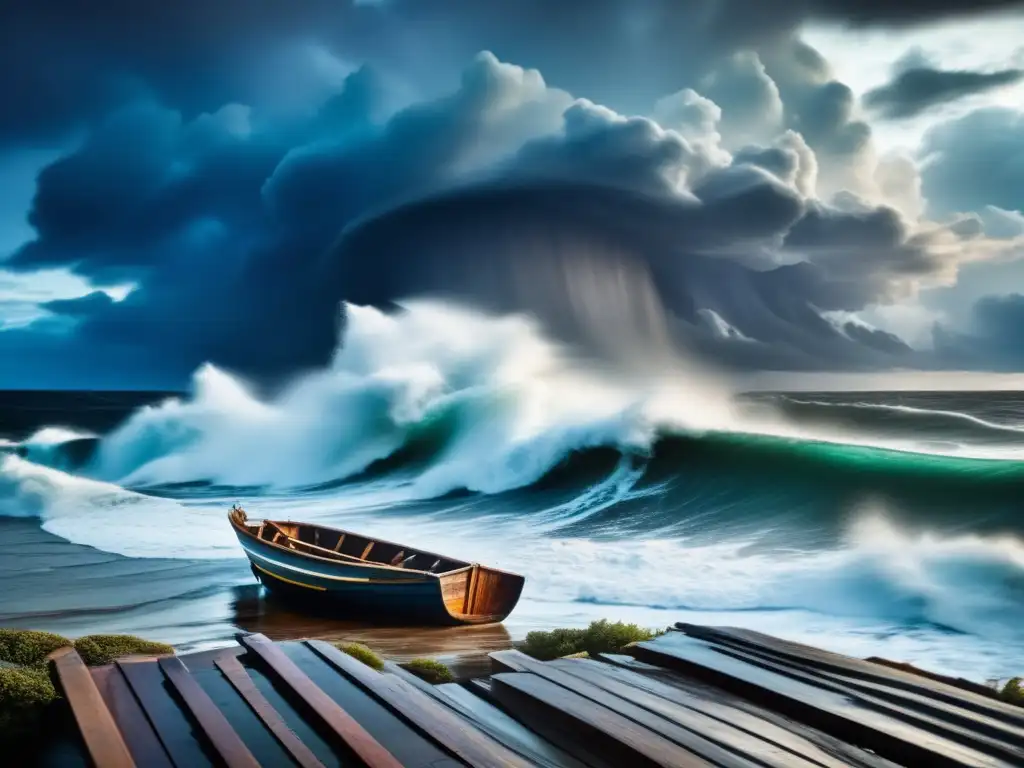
[628, 477]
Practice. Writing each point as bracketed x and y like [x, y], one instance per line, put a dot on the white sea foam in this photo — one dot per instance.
[510, 403]
[501, 406]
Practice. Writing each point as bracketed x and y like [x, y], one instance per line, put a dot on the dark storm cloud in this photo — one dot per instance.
[994, 343]
[225, 228]
[64, 62]
[222, 211]
[913, 91]
[83, 306]
[512, 247]
[908, 12]
[144, 186]
[975, 161]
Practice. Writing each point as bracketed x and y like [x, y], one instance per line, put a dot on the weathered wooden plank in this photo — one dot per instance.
[504, 728]
[172, 726]
[430, 717]
[984, 726]
[135, 727]
[296, 714]
[686, 728]
[100, 733]
[409, 746]
[235, 673]
[260, 741]
[835, 713]
[863, 670]
[555, 727]
[333, 716]
[985, 732]
[789, 735]
[977, 733]
[211, 720]
[558, 713]
[718, 731]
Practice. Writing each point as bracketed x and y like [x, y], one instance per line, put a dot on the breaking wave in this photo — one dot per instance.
[659, 488]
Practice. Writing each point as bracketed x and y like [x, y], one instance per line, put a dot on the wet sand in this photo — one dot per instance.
[50, 584]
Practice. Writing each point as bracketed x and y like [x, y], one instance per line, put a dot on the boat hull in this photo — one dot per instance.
[352, 591]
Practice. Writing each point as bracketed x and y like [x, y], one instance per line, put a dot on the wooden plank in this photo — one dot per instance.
[333, 716]
[701, 735]
[341, 540]
[860, 669]
[431, 718]
[560, 713]
[474, 581]
[211, 720]
[100, 733]
[938, 701]
[989, 732]
[834, 713]
[366, 550]
[788, 735]
[408, 745]
[138, 732]
[260, 741]
[172, 726]
[309, 729]
[982, 734]
[235, 673]
[554, 728]
[500, 726]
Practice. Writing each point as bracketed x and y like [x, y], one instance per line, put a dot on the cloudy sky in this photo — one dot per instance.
[804, 187]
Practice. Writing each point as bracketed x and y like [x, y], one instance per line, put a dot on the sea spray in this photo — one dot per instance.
[645, 487]
[514, 404]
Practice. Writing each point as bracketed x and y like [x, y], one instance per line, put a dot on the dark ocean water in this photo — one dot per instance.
[884, 523]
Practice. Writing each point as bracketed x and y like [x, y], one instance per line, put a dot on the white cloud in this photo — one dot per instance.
[23, 293]
[864, 59]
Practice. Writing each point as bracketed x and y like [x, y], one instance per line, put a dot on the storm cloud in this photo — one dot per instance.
[66, 63]
[738, 186]
[917, 85]
[976, 161]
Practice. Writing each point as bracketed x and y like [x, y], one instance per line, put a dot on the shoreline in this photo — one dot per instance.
[193, 605]
[48, 583]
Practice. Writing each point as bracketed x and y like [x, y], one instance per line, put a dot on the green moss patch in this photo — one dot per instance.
[361, 653]
[434, 672]
[1013, 691]
[27, 647]
[25, 693]
[600, 637]
[103, 649]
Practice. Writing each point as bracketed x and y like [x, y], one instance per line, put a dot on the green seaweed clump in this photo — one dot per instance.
[103, 649]
[361, 653]
[25, 693]
[27, 647]
[1013, 691]
[600, 637]
[434, 672]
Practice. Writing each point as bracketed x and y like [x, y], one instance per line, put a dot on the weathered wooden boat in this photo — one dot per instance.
[356, 575]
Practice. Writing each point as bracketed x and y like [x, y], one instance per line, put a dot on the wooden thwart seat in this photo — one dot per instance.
[103, 739]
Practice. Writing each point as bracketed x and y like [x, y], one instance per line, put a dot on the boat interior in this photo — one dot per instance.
[349, 547]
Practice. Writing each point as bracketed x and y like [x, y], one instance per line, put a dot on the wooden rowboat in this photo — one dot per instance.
[359, 576]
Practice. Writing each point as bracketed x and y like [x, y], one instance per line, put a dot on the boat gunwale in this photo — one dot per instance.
[243, 528]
